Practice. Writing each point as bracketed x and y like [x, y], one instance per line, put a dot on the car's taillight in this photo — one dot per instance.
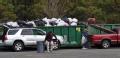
[4, 38]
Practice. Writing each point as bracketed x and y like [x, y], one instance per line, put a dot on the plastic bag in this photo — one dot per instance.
[84, 40]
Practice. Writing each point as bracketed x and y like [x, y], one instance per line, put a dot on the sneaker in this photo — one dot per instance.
[84, 48]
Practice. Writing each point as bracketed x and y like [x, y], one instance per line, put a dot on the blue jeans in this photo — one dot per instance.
[86, 45]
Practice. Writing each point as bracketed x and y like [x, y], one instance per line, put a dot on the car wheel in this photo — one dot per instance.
[105, 44]
[18, 46]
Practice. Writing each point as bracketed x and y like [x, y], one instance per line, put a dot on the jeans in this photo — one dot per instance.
[86, 45]
[49, 45]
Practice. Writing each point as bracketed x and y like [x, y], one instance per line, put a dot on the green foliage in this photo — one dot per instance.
[6, 11]
[105, 11]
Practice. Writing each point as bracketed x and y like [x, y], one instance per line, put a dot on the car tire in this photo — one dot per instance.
[105, 44]
[18, 46]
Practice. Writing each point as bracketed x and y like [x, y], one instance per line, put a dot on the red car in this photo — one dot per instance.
[106, 40]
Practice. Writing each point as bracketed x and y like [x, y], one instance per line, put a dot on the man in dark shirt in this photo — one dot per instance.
[49, 41]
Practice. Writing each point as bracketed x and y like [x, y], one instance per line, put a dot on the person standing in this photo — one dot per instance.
[85, 44]
[49, 41]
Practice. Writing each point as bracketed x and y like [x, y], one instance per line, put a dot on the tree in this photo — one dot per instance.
[6, 11]
[104, 11]
[54, 8]
[24, 9]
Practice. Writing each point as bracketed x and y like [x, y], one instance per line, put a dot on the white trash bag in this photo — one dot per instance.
[84, 40]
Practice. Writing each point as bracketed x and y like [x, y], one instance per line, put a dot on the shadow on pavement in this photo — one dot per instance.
[4, 49]
[29, 49]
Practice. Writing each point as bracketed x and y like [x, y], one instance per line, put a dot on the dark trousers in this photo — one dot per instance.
[86, 45]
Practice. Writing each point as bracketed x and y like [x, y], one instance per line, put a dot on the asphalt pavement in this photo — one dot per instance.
[63, 53]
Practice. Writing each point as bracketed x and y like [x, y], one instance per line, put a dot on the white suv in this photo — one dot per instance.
[18, 38]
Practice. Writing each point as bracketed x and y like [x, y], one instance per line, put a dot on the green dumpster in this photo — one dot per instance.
[72, 34]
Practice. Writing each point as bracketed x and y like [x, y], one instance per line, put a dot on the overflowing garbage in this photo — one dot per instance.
[44, 22]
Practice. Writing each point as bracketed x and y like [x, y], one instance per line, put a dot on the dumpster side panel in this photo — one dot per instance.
[116, 26]
[65, 35]
[78, 35]
[108, 26]
[57, 30]
[43, 28]
[72, 34]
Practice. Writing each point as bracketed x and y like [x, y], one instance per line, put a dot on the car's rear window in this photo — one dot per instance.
[12, 32]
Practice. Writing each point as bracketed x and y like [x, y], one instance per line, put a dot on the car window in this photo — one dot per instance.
[12, 32]
[116, 30]
[38, 32]
[27, 32]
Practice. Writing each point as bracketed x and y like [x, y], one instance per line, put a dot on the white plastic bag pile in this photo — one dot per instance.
[60, 22]
[45, 22]
[12, 24]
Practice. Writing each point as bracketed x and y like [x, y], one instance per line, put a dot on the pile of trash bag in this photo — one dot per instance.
[44, 22]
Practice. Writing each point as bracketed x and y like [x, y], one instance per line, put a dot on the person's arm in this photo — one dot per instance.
[46, 37]
[54, 36]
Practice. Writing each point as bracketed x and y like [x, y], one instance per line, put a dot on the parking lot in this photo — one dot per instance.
[63, 53]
